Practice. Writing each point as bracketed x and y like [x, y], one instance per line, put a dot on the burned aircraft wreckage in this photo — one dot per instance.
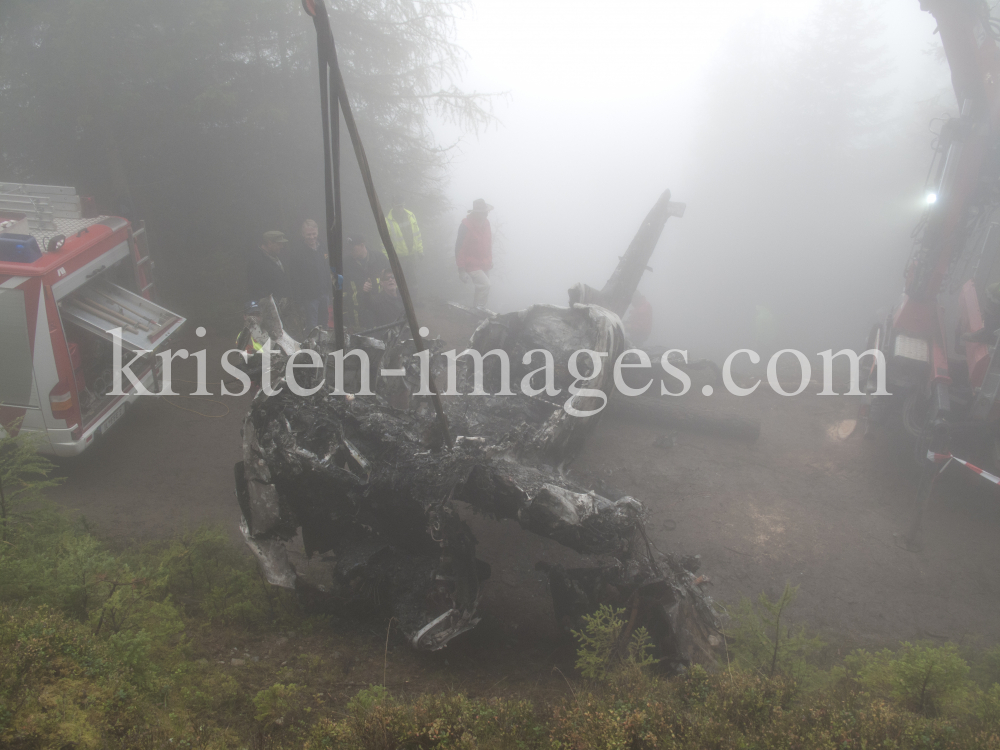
[375, 483]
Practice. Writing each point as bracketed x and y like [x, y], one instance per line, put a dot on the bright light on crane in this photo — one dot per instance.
[931, 199]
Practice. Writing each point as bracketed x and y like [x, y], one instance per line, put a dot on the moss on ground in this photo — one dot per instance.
[150, 647]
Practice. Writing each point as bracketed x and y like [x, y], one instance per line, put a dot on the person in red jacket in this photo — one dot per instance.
[474, 251]
[639, 320]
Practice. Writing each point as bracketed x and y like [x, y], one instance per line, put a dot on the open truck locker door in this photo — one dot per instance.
[91, 315]
[100, 307]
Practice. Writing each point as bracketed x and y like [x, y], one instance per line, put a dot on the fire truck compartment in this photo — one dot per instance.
[100, 307]
[90, 315]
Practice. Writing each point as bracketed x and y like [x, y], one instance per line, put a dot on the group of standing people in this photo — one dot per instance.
[295, 273]
[298, 275]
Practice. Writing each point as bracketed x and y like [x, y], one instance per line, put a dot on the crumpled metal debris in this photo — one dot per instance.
[370, 480]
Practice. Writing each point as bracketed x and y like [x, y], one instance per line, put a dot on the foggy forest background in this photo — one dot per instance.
[201, 117]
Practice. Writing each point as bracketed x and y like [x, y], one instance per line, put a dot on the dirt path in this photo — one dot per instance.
[823, 514]
[795, 506]
[165, 467]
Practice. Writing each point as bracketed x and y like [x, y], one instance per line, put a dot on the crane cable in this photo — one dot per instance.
[333, 91]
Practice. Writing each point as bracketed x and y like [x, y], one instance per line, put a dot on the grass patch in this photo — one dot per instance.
[110, 649]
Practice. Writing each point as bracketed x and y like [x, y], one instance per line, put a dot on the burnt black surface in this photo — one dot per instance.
[375, 485]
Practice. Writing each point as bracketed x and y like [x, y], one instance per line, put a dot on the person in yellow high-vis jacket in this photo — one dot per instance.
[251, 341]
[405, 235]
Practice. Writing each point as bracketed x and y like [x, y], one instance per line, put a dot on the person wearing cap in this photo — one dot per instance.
[309, 276]
[474, 251]
[363, 272]
[266, 273]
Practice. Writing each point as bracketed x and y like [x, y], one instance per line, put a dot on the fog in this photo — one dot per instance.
[797, 133]
[603, 111]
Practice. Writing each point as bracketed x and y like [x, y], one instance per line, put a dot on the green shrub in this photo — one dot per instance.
[273, 705]
[987, 709]
[605, 650]
[29, 524]
[924, 678]
[220, 584]
[456, 721]
[24, 475]
[761, 639]
[206, 691]
[985, 666]
[594, 721]
[60, 685]
[373, 722]
[376, 721]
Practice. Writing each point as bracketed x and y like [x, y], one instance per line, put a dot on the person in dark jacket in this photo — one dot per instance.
[309, 276]
[363, 272]
[266, 272]
[474, 251]
[387, 304]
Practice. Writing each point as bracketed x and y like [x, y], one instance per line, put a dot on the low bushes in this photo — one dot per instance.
[98, 649]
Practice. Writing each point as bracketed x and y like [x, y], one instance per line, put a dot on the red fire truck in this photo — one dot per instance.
[66, 283]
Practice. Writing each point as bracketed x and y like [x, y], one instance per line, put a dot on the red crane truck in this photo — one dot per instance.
[940, 341]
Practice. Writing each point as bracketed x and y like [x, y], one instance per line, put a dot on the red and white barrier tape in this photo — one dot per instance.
[947, 458]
